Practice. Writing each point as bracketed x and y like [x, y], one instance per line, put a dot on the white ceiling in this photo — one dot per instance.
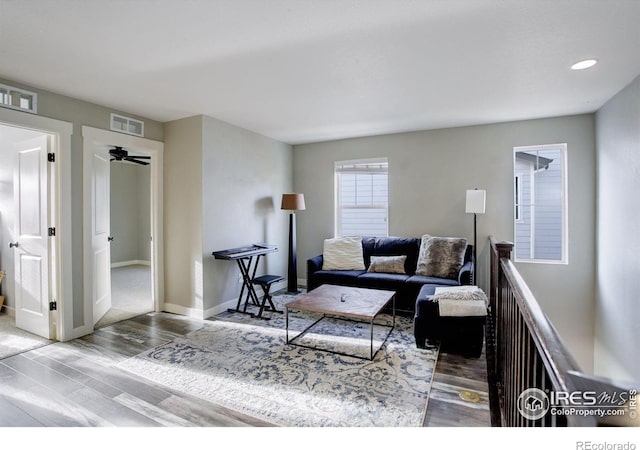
[312, 70]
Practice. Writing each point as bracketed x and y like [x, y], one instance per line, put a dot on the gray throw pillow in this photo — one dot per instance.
[387, 264]
[441, 257]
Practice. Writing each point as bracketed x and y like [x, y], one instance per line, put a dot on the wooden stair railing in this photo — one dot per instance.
[524, 351]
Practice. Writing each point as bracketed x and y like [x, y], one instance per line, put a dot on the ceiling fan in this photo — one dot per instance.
[120, 154]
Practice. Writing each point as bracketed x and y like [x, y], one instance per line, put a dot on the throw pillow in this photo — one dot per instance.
[387, 264]
[441, 257]
[343, 254]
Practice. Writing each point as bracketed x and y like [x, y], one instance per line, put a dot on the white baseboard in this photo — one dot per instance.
[133, 262]
[222, 307]
[233, 303]
[182, 310]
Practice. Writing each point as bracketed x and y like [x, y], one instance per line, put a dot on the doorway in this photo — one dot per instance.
[27, 255]
[130, 240]
[123, 227]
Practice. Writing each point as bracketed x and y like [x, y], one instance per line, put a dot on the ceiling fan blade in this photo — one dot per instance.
[129, 158]
[139, 157]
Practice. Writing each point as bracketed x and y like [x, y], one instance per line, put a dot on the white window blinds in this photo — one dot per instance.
[362, 197]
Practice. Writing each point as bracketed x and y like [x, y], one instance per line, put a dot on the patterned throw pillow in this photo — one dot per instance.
[387, 264]
[441, 257]
[343, 254]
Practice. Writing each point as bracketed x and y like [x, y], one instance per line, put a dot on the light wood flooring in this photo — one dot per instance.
[76, 384]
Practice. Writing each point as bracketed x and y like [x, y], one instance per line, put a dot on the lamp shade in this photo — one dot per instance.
[476, 201]
[293, 202]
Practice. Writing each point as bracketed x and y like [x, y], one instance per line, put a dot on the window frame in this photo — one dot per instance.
[517, 178]
[564, 235]
[337, 205]
[8, 97]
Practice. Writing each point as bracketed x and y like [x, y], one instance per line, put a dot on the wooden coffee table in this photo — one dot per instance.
[346, 303]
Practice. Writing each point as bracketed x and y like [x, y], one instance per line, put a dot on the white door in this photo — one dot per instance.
[100, 229]
[31, 243]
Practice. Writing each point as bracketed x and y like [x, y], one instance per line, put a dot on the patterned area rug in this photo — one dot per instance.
[244, 364]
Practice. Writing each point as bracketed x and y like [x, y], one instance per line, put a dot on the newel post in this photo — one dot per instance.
[499, 250]
[504, 249]
[495, 346]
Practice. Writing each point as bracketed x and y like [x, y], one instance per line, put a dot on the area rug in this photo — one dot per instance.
[244, 364]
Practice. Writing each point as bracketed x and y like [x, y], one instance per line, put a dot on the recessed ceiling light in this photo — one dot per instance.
[584, 64]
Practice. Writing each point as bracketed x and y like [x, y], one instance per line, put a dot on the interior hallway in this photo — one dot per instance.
[130, 294]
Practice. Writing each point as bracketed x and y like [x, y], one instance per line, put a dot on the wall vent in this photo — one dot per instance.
[127, 125]
[20, 99]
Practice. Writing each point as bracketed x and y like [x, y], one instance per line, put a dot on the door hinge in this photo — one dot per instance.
[51, 157]
[53, 306]
[52, 231]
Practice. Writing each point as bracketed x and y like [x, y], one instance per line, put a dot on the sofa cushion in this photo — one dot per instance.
[393, 246]
[368, 244]
[421, 280]
[387, 264]
[441, 257]
[424, 302]
[343, 253]
[386, 281]
[339, 277]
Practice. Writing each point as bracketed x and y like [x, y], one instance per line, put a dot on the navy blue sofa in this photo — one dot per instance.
[407, 285]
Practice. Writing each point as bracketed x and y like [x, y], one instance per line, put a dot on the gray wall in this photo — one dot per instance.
[618, 225]
[130, 212]
[429, 173]
[80, 113]
[223, 186]
[244, 175]
[183, 214]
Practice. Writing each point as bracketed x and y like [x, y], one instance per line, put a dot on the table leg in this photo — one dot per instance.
[394, 311]
[286, 324]
[371, 339]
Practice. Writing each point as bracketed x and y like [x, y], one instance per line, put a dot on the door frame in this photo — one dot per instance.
[95, 136]
[61, 203]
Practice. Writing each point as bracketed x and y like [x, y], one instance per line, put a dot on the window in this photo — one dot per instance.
[14, 98]
[127, 125]
[362, 197]
[540, 212]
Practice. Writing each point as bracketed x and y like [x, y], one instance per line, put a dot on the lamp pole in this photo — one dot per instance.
[476, 202]
[475, 251]
[293, 203]
[292, 277]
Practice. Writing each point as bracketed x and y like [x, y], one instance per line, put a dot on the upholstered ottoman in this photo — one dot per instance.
[464, 335]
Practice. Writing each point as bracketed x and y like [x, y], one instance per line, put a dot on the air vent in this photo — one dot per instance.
[15, 98]
[127, 125]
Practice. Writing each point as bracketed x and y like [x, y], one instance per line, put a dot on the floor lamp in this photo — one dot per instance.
[292, 202]
[476, 202]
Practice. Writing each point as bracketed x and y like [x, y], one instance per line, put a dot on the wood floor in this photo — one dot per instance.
[76, 384]
[448, 405]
